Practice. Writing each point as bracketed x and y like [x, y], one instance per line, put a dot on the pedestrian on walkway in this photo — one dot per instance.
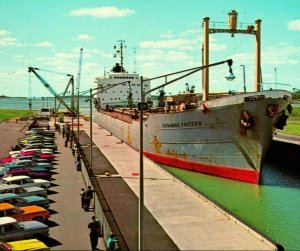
[94, 230]
[82, 193]
[112, 243]
[88, 195]
[63, 131]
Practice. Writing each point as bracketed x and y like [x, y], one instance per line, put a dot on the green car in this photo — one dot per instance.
[19, 201]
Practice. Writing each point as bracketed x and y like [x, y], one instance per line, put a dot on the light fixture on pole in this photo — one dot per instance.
[230, 76]
[244, 77]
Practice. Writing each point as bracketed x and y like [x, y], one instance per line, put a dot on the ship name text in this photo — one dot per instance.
[182, 124]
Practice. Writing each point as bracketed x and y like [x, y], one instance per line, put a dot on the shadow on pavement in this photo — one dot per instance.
[51, 223]
[50, 242]
[51, 211]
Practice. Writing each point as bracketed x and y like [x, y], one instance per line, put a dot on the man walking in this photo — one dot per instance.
[94, 230]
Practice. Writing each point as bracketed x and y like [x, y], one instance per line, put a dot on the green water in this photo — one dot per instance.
[272, 208]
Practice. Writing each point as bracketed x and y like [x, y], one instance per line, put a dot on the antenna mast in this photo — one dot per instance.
[134, 60]
[120, 51]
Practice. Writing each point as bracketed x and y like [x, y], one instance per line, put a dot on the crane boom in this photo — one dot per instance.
[50, 89]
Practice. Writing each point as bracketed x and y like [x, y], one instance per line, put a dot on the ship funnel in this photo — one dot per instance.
[232, 21]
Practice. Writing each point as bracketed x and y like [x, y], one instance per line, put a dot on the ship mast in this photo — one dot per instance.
[120, 51]
[232, 29]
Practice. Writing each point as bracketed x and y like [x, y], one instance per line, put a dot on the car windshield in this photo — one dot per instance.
[27, 180]
[20, 224]
[19, 200]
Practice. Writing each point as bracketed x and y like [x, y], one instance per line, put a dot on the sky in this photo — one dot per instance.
[161, 36]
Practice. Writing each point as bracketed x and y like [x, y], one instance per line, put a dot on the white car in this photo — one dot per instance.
[25, 181]
[11, 230]
[42, 150]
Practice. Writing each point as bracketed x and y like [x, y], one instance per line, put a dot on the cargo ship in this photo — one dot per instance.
[225, 135]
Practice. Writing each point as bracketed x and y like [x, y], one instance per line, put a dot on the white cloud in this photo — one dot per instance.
[18, 56]
[85, 37]
[293, 61]
[4, 32]
[44, 44]
[281, 54]
[166, 44]
[91, 66]
[102, 12]
[168, 34]
[217, 47]
[294, 25]
[9, 41]
[192, 32]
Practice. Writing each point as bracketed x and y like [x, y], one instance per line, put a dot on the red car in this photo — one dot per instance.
[37, 173]
[7, 159]
[40, 157]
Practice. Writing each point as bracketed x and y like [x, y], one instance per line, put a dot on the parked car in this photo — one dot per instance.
[22, 191]
[36, 139]
[11, 230]
[9, 159]
[41, 145]
[31, 163]
[23, 245]
[36, 173]
[25, 213]
[19, 201]
[37, 154]
[25, 181]
[42, 157]
[40, 132]
[21, 169]
[42, 150]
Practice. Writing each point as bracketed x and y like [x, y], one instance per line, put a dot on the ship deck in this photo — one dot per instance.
[176, 217]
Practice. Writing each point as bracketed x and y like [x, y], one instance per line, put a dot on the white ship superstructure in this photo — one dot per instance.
[118, 94]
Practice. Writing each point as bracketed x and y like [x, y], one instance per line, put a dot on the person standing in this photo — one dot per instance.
[88, 196]
[63, 131]
[94, 230]
[82, 197]
[111, 243]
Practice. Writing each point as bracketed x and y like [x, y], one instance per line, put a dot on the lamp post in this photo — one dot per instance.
[275, 70]
[143, 106]
[91, 130]
[55, 111]
[244, 77]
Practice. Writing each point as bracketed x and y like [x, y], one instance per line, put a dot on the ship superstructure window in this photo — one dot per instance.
[119, 77]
